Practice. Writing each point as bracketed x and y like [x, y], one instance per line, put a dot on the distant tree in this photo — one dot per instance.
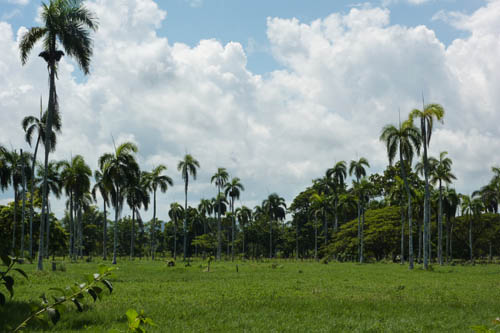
[220, 178]
[244, 215]
[187, 166]
[137, 195]
[104, 191]
[338, 175]
[275, 208]
[233, 190]
[175, 213]
[358, 169]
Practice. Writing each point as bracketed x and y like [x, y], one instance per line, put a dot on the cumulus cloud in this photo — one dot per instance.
[344, 78]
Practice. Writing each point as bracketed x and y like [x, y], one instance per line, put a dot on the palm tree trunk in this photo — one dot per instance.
[362, 233]
[132, 235]
[13, 251]
[315, 238]
[175, 238]
[410, 222]
[47, 231]
[426, 197]
[470, 239]
[325, 226]
[440, 226]
[420, 231]
[232, 229]
[153, 226]
[32, 194]
[270, 239]
[48, 130]
[71, 225]
[185, 217]
[104, 235]
[24, 207]
[451, 243]
[219, 227]
[402, 235]
[115, 228]
[336, 226]
[359, 231]
[80, 231]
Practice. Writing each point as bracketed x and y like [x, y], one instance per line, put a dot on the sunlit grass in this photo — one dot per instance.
[286, 296]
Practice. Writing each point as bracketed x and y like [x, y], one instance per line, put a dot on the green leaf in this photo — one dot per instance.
[109, 285]
[53, 315]
[2, 299]
[98, 291]
[20, 271]
[89, 278]
[114, 330]
[93, 294]
[78, 305]
[102, 269]
[131, 315]
[6, 260]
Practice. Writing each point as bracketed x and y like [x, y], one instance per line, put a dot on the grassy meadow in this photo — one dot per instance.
[280, 296]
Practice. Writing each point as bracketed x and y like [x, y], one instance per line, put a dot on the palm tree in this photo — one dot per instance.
[187, 166]
[175, 213]
[471, 206]
[205, 208]
[442, 173]
[337, 174]
[275, 207]
[220, 178]
[32, 124]
[67, 22]
[233, 190]
[119, 169]
[362, 189]
[54, 186]
[427, 115]
[100, 186]
[137, 194]
[244, 215]
[451, 203]
[407, 140]
[156, 180]
[358, 169]
[318, 206]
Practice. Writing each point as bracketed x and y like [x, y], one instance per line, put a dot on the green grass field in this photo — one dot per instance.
[291, 297]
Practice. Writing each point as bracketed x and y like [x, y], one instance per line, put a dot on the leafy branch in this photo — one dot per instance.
[72, 294]
[7, 280]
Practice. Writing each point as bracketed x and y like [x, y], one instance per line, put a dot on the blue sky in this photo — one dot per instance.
[244, 21]
[275, 91]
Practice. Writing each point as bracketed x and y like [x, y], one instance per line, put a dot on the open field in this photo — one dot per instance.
[277, 296]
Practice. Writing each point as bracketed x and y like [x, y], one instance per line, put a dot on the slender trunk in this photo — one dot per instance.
[402, 235]
[325, 226]
[270, 238]
[175, 238]
[71, 225]
[47, 231]
[451, 242]
[219, 225]
[13, 251]
[104, 235]
[362, 259]
[153, 226]
[185, 216]
[426, 197]
[232, 229]
[132, 234]
[115, 227]
[48, 130]
[315, 238]
[470, 239]
[243, 231]
[24, 206]
[440, 226]
[420, 240]
[336, 226]
[410, 222]
[32, 194]
[359, 230]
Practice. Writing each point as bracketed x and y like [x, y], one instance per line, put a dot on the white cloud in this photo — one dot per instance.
[411, 2]
[344, 78]
[19, 2]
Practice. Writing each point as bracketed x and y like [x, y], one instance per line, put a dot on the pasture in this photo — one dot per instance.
[278, 296]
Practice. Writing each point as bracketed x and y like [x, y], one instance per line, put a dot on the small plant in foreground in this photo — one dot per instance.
[7, 280]
[75, 294]
[136, 322]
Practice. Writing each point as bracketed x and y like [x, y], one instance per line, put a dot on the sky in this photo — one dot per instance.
[275, 91]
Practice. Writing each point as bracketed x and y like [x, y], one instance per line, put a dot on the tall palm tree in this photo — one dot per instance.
[100, 186]
[32, 124]
[318, 206]
[362, 189]
[220, 178]
[233, 190]
[275, 208]
[54, 186]
[338, 175]
[137, 195]
[471, 207]
[175, 213]
[155, 181]
[358, 169]
[406, 141]
[119, 169]
[451, 203]
[205, 208]
[69, 23]
[244, 215]
[427, 115]
[442, 173]
[187, 166]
